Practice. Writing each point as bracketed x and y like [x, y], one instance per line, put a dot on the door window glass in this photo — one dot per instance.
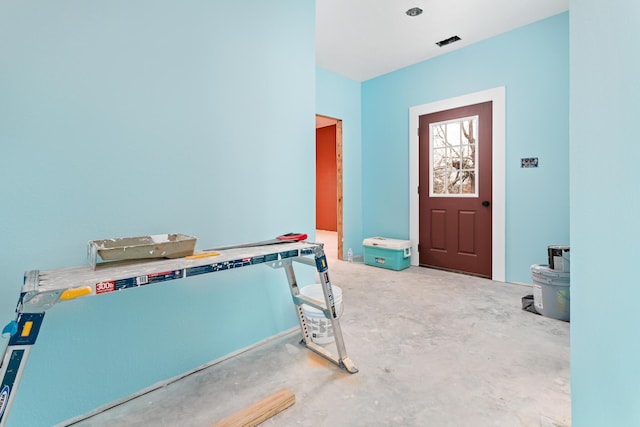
[454, 159]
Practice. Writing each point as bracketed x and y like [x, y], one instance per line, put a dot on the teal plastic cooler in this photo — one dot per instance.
[387, 253]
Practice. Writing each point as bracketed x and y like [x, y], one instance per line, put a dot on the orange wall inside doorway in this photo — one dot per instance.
[326, 182]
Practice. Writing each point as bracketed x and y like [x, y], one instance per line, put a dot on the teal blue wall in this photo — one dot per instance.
[128, 118]
[605, 202]
[532, 63]
[339, 97]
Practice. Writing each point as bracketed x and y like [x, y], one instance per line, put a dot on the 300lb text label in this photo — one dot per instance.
[104, 287]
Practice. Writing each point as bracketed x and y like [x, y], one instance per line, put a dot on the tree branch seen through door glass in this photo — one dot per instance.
[454, 164]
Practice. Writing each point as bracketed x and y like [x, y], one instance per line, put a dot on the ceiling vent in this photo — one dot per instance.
[448, 41]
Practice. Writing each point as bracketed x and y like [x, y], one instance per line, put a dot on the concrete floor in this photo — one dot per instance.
[433, 349]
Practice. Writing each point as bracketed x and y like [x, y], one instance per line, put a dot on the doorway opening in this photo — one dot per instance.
[329, 224]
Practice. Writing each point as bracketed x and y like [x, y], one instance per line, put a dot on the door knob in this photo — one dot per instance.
[486, 203]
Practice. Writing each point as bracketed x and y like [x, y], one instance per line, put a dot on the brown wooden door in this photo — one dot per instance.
[455, 189]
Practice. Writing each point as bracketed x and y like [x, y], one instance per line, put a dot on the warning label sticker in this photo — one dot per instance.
[537, 296]
[164, 275]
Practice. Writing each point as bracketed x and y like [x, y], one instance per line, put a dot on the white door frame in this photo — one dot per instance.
[497, 96]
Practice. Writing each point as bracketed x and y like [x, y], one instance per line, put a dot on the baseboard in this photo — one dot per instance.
[528, 285]
[166, 382]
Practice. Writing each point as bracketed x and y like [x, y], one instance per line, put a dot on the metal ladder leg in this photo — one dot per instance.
[295, 293]
[26, 328]
[329, 310]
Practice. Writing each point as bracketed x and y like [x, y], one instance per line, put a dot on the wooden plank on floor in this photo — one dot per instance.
[259, 411]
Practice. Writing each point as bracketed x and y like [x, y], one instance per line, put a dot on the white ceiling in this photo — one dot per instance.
[362, 39]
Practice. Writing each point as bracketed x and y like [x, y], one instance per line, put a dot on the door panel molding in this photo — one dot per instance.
[497, 96]
[466, 226]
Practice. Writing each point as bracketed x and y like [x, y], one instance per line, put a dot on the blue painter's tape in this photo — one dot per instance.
[10, 329]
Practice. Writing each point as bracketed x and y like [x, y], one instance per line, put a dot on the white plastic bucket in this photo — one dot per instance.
[319, 326]
[551, 292]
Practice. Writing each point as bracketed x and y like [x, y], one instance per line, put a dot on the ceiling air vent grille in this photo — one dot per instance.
[448, 41]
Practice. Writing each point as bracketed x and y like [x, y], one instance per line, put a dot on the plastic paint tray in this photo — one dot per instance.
[142, 247]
